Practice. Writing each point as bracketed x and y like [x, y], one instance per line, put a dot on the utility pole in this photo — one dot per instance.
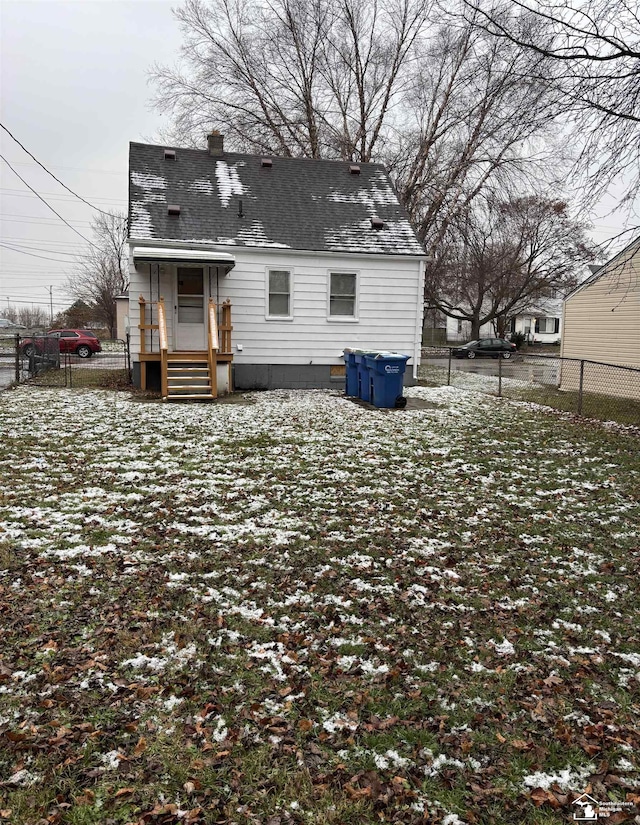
[50, 288]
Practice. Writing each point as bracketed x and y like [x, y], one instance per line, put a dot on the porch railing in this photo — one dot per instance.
[164, 346]
[145, 327]
[213, 345]
[225, 328]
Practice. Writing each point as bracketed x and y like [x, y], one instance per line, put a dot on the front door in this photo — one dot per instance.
[190, 308]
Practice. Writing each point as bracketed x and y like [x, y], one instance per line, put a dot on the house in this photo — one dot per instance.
[602, 324]
[541, 324]
[297, 258]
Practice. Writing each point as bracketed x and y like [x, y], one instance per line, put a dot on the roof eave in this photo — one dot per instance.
[211, 246]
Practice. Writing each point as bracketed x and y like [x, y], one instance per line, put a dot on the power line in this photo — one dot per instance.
[39, 303]
[64, 185]
[19, 193]
[78, 169]
[32, 255]
[72, 244]
[48, 204]
[44, 222]
[20, 246]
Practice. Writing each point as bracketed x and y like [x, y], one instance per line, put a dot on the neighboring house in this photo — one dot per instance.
[542, 324]
[602, 315]
[301, 258]
[602, 324]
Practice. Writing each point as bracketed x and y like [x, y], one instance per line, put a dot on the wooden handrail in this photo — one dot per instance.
[164, 346]
[142, 304]
[213, 345]
[225, 328]
[214, 342]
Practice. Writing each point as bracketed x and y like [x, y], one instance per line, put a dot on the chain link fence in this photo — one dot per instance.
[588, 388]
[38, 359]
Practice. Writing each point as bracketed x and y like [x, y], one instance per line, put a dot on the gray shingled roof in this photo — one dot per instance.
[297, 203]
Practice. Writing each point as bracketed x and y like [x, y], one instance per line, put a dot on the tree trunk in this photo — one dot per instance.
[475, 329]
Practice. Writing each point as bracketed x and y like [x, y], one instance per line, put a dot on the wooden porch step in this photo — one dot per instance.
[188, 377]
[186, 397]
[195, 355]
[204, 388]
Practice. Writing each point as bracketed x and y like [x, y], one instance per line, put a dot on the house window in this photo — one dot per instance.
[549, 326]
[279, 298]
[342, 295]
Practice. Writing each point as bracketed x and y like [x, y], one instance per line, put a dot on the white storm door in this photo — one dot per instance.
[190, 307]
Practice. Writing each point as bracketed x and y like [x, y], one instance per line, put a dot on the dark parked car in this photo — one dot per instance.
[82, 342]
[494, 347]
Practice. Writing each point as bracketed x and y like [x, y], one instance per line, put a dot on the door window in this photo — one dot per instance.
[190, 295]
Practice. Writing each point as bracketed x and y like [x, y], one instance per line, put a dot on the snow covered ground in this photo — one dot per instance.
[297, 607]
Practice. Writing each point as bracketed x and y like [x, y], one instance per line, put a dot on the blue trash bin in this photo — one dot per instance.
[351, 372]
[386, 370]
[364, 380]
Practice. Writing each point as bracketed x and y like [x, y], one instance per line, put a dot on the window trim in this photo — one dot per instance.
[268, 271]
[546, 319]
[344, 319]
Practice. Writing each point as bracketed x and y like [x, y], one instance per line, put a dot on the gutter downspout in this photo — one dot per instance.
[417, 349]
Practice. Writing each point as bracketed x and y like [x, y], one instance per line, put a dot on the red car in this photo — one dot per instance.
[82, 342]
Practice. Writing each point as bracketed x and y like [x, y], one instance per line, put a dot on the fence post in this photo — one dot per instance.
[17, 360]
[67, 365]
[449, 372]
[580, 387]
[499, 376]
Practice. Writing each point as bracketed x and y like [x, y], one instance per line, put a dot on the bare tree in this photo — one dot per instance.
[310, 78]
[27, 316]
[485, 124]
[499, 260]
[446, 107]
[101, 274]
[591, 52]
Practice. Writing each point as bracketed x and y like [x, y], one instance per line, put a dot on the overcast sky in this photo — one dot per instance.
[74, 92]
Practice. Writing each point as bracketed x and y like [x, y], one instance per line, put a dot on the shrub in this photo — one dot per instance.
[518, 338]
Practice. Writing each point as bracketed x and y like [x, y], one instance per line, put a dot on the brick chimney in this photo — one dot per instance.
[215, 142]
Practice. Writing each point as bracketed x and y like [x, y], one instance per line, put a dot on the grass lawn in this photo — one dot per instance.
[602, 407]
[298, 610]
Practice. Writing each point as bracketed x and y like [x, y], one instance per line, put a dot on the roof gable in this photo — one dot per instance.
[629, 252]
[294, 203]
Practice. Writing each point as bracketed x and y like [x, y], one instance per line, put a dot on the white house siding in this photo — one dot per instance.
[387, 300]
[602, 323]
[151, 289]
[389, 295]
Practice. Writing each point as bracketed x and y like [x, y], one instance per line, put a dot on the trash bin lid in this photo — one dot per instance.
[392, 356]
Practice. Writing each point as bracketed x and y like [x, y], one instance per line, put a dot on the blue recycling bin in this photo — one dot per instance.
[386, 370]
[364, 380]
[351, 372]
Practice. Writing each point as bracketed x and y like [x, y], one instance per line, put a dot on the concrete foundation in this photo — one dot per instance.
[291, 377]
[268, 377]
